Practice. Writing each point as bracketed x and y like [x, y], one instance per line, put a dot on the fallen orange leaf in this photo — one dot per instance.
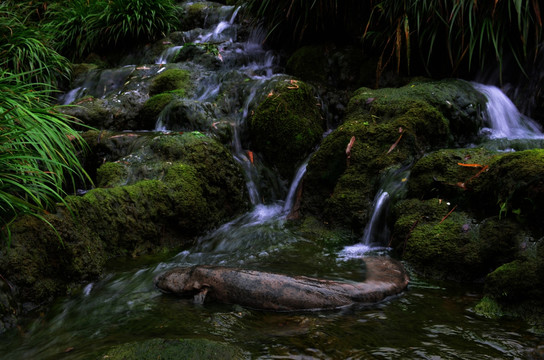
[250, 154]
[470, 165]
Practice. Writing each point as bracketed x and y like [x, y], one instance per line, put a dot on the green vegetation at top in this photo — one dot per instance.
[436, 36]
[27, 49]
[83, 26]
[32, 34]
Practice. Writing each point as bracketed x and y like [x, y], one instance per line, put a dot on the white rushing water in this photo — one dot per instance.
[503, 118]
[376, 233]
[235, 59]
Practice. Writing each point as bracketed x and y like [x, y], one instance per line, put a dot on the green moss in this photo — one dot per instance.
[42, 267]
[342, 189]
[489, 308]
[515, 282]
[456, 100]
[111, 174]
[287, 125]
[514, 186]
[409, 213]
[169, 80]
[153, 107]
[174, 349]
[445, 249]
[438, 174]
[315, 230]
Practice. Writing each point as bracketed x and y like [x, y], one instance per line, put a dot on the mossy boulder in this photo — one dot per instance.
[441, 240]
[448, 174]
[514, 288]
[457, 100]
[111, 174]
[169, 80]
[170, 349]
[340, 188]
[287, 125]
[391, 129]
[514, 186]
[153, 107]
[196, 186]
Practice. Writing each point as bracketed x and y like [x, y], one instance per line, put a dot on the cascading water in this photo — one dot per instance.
[504, 119]
[124, 307]
[237, 59]
[376, 232]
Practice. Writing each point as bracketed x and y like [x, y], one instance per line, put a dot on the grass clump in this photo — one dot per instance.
[84, 26]
[38, 151]
[26, 49]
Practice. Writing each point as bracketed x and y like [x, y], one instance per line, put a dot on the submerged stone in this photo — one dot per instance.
[173, 349]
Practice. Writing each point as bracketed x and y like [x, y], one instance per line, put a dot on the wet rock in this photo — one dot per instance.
[176, 186]
[513, 186]
[287, 125]
[170, 80]
[391, 129]
[270, 291]
[9, 306]
[448, 174]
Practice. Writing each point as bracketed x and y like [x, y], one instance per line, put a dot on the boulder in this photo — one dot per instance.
[287, 125]
[193, 186]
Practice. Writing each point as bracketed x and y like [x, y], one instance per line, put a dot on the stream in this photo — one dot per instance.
[431, 320]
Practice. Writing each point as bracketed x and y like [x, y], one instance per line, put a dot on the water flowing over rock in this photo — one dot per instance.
[207, 154]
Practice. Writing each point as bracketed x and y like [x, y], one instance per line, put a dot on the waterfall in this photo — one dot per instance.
[503, 118]
[168, 55]
[376, 232]
[291, 195]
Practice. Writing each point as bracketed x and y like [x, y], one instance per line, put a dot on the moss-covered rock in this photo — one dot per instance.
[168, 349]
[287, 125]
[513, 185]
[195, 186]
[515, 282]
[443, 248]
[440, 240]
[153, 107]
[342, 189]
[391, 128]
[448, 173]
[457, 100]
[111, 174]
[169, 80]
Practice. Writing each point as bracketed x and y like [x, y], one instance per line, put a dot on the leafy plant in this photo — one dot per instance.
[26, 50]
[38, 150]
[84, 26]
[303, 21]
[466, 31]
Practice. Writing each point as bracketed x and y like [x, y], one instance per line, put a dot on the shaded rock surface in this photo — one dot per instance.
[171, 189]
